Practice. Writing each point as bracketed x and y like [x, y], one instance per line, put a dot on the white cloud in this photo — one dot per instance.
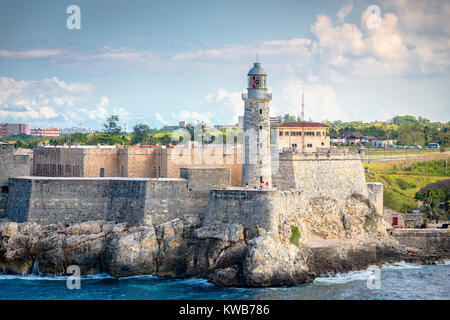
[48, 112]
[227, 104]
[31, 54]
[343, 12]
[421, 17]
[193, 116]
[160, 118]
[320, 101]
[41, 99]
[389, 50]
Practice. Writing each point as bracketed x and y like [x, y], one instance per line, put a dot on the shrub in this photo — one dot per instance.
[295, 235]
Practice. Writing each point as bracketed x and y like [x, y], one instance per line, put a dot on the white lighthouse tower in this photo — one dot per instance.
[256, 169]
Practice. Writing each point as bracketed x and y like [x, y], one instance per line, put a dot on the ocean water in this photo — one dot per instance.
[398, 281]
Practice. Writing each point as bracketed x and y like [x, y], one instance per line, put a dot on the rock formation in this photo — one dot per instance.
[328, 237]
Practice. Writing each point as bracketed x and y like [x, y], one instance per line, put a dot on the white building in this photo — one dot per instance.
[69, 131]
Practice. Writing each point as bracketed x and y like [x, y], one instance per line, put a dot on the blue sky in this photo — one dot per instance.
[158, 62]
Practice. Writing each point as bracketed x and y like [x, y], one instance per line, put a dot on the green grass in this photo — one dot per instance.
[403, 178]
[295, 235]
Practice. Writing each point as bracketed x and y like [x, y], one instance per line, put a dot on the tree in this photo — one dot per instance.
[111, 125]
[433, 200]
[141, 133]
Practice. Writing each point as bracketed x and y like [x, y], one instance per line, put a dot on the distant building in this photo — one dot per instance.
[69, 131]
[289, 135]
[7, 129]
[224, 126]
[241, 121]
[379, 143]
[354, 138]
[50, 132]
[337, 141]
[144, 161]
[170, 127]
[182, 124]
[368, 139]
[275, 120]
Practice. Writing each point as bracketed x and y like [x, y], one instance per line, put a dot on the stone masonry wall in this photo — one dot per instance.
[13, 162]
[249, 207]
[135, 200]
[320, 175]
[430, 240]
[376, 195]
[52, 200]
[201, 177]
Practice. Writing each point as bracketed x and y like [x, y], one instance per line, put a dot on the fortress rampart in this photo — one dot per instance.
[300, 182]
[318, 175]
[47, 200]
[253, 208]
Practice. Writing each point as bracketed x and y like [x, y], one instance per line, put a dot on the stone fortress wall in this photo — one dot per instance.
[132, 161]
[46, 200]
[307, 184]
[13, 162]
[320, 174]
[200, 190]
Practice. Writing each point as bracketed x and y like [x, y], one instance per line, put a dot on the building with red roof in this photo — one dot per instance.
[293, 135]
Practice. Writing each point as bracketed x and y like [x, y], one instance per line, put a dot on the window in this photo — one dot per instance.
[53, 169]
[76, 171]
[39, 168]
[122, 171]
[322, 144]
[102, 172]
[260, 111]
[68, 169]
[309, 145]
[294, 145]
[260, 127]
[46, 169]
[281, 133]
[318, 133]
[60, 170]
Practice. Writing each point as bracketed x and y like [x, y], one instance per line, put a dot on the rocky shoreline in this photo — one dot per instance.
[226, 254]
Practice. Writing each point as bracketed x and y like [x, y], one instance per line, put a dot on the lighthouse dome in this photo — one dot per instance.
[257, 70]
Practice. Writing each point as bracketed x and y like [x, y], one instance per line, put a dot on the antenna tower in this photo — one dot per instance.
[303, 122]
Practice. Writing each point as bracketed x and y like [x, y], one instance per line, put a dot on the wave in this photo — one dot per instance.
[362, 275]
[33, 277]
[402, 265]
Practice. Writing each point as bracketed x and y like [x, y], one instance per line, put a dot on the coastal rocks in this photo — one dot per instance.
[209, 243]
[173, 237]
[227, 254]
[15, 255]
[132, 253]
[97, 246]
[351, 218]
[270, 262]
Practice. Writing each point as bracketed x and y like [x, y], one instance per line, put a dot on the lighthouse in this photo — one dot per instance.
[256, 168]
